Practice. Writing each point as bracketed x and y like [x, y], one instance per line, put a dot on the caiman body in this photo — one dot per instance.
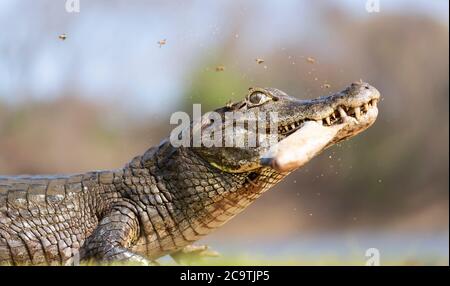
[167, 198]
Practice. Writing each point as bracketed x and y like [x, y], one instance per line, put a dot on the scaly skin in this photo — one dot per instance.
[160, 202]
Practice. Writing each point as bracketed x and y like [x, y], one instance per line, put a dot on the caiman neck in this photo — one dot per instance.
[184, 197]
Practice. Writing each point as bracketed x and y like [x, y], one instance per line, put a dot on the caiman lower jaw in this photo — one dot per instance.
[313, 137]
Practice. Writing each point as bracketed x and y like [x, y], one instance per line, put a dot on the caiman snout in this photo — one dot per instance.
[330, 119]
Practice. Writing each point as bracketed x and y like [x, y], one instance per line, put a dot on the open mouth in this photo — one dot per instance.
[336, 117]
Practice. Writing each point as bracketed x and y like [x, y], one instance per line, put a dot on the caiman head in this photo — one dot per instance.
[302, 128]
[217, 181]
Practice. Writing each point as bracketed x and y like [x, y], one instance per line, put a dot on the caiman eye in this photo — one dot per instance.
[257, 98]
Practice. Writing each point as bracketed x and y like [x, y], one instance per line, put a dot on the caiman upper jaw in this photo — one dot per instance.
[343, 111]
[337, 116]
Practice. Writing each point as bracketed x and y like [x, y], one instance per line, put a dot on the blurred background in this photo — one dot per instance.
[90, 90]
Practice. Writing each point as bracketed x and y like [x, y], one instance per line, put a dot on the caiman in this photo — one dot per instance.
[163, 201]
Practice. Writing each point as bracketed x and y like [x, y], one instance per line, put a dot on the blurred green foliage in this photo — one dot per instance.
[213, 89]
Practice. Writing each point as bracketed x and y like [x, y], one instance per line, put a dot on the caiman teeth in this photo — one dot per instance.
[342, 112]
[336, 117]
[357, 113]
[374, 102]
